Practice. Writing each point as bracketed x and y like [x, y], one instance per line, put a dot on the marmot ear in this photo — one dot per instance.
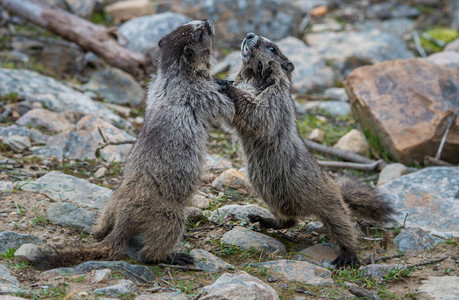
[288, 66]
[160, 43]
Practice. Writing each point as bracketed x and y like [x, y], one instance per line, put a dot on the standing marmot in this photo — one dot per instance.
[281, 168]
[165, 164]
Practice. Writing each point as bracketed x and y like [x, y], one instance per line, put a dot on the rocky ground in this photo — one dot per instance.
[356, 65]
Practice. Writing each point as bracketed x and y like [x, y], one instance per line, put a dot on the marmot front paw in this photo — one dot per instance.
[179, 258]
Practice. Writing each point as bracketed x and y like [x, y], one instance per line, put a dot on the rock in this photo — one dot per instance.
[415, 239]
[67, 214]
[302, 271]
[9, 297]
[208, 262]
[429, 197]
[238, 212]
[247, 239]
[49, 120]
[317, 135]
[379, 271]
[200, 201]
[103, 275]
[33, 134]
[48, 152]
[193, 213]
[452, 46]
[441, 287]
[319, 254]
[17, 143]
[134, 272]
[353, 141]
[338, 94]
[314, 226]
[217, 163]
[327, 24]
[391, 172]
[84, 142]
[100, 172]
[231, 64]
[6, 186]
[10, 239]
[121, 110]
[234, 19]
[116, 86]
[388, 10]
[122, 11]
[82, 8]
[143, 33]
[310, 72]
[447, 58]
[122, 288]
[238, 286]
[8, 283]
[163, 296]
[61, 187]
[54, 95]
[333, 107]
[27, 252]
[398, 26]
[339, 48]
[233, 179]
[409, 130]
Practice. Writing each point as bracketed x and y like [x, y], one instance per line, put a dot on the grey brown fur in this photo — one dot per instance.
[165, 164]
[281, 168]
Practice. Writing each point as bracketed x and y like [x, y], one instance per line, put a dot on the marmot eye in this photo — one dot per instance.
[272, 49]
[201, 36]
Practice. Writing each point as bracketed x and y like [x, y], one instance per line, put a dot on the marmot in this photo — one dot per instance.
[280, 167]
[166, 162]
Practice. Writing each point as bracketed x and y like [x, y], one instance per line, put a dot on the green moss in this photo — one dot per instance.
[440, 33]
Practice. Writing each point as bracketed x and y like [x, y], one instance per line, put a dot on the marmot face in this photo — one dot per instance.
[189, 46]
[258, 52]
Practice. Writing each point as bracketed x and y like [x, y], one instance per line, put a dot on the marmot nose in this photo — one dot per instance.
[250, 35]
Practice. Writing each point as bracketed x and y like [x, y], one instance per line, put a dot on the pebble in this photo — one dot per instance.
[391, 172]
[353, 141]
[102, 275]
[317, 135]
[200, 201]
[319, 254]
[247, 239]
[238, 212]
[415, 239]
[233, 179]
[208, 262]
[379, 270]
[122, 288]
[27, 252]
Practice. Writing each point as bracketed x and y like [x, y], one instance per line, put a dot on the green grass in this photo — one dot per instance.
[8, 254]
[39, 219]
[52, 292]
[440, 33]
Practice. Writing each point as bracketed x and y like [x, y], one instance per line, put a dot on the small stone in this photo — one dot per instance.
[208, 262]
[238, 212]
[292, 270]
[121, 110]
[200, 201]
[391, 172]
[28, 252]
[441, 287]
[8, 283]
[338, 108]
[320, 254]
[10, 239]
[102, 275]
[123, 287]
[247, 239]
[233, 179]
[353, 141]
[6, 186]
[238, 286]
[217, 163]
[314, 226]
[163, 296]
[448, 58]
[17, 143]
[415, 239]
[100, 172]
[49, 120]
[193, 213]
[67, 214]
[83, 294]
[122, 11]
[335, 93]
[378, 271]
[317, 135]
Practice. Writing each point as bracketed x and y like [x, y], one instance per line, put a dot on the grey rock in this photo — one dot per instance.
[320, 254]
[193, 213]
[143, 33]
[116, 86]
[6, 186]
[391, 172]
[448, 58]
[335, 93]
[232, 179]
[302, 271]
[338, 108]
[353, 141]
[247, 239]
[61, 187]
[102, 275]
[441, 287]
[388, 10]
[33, 134]
[10, 239]
[163, 296]
[48, 152]
[27, 252]
[67, 214]
[379, 271]
[452, 46]
[339, 48]
[415, 239]
[217, 163]
[8, 283]
[429, 197]
[17, 143]
[231, 64]
[82, 8]
[399, 26]
[238, 286]
[84, 142]
[208, 262]
[51, 93]
[200, 201]
[120, 266]
[238, 212]
[314, 226]
[123, 287]
[44, 118]
[310, 72]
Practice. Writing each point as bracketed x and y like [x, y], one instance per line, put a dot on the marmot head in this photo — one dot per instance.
[258, 53]
[189, 46]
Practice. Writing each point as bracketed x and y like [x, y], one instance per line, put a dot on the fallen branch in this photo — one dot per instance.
[91, 37]
[361, 293]
[443, 140]
[429, 262]
[349, 165]
[184, 268]
[432, 161]
[417, 43]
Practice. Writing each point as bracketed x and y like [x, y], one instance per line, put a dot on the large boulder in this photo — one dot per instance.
[407, 105]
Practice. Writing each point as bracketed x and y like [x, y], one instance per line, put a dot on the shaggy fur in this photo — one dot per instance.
[281, 168]
[165, 164]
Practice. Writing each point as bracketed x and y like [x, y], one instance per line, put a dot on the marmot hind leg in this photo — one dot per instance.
[275, 223]
[105, 223]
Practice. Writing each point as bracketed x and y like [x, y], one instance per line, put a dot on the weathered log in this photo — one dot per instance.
[91, 37]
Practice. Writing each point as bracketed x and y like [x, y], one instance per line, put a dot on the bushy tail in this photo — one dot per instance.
[57, 257]
[365, 200]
